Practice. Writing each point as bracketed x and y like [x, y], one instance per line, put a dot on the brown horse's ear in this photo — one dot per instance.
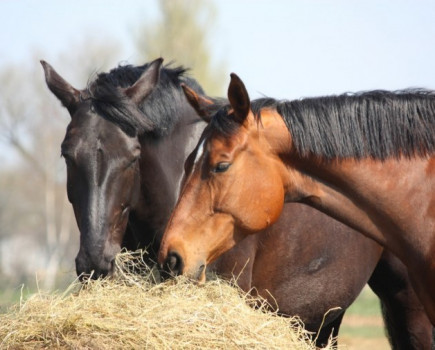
[239, 98]
[200, 104]
[68, 95]
[146, 82]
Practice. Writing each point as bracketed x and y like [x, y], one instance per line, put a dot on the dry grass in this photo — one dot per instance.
[130, 311]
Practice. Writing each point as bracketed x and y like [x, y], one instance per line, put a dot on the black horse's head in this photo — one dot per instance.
[131, 130]
[102, 158]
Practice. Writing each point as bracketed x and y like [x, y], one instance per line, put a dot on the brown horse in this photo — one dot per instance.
[364, 159]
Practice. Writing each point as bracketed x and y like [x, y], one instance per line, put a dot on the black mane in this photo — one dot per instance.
[377, 124]
[159, 111]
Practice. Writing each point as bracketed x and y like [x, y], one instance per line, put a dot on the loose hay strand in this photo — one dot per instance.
[131, 311]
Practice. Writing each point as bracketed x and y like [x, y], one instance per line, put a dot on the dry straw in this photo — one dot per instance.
[130, 311]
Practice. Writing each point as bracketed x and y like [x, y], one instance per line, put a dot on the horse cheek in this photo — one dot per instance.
[268, 206]
[276, 203]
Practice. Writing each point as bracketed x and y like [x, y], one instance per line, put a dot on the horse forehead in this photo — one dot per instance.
[89, 131]
[220, 144]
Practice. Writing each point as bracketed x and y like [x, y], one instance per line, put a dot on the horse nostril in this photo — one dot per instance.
[174, 264]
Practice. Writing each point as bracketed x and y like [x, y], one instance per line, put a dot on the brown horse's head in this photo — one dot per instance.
[102, 159]
[233, 184]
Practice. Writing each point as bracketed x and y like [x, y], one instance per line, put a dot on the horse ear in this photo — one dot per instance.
[200, 103]
[146, 82]
[239, 98]
[68, 95]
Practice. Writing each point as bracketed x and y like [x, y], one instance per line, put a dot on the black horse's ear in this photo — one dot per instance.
[201, 104]
[146, 82]
[68, 95]
[239, 98]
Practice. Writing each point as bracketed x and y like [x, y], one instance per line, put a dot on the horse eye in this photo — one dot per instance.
[221, 167]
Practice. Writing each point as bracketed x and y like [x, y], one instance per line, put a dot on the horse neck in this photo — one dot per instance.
[161, 171]
[356, 192]
[374, 197]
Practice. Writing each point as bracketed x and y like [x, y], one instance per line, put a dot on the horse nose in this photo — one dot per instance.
[173, 265]
[86, 269]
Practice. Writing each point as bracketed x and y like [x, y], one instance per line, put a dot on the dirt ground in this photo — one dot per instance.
[370, 337]
[355, 343]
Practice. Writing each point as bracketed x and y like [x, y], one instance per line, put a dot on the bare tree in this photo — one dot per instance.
[182, 35]
[28, 127]
[33, 201]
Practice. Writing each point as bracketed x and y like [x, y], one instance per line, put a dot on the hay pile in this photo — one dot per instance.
[132, 312]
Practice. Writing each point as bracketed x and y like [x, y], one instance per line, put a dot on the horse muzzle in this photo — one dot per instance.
[91, 268]
[174, 265]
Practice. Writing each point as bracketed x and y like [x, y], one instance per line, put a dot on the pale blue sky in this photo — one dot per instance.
[283, 49]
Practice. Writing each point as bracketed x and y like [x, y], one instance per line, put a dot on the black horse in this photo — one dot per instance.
[130, 133]
[124, 149]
